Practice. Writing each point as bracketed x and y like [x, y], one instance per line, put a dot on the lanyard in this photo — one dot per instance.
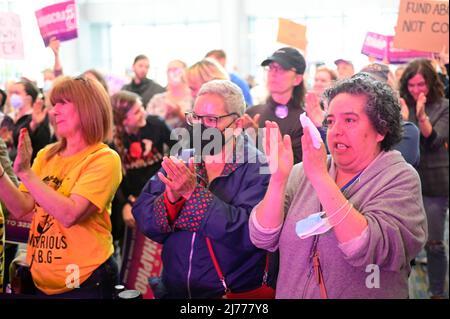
[314, 254]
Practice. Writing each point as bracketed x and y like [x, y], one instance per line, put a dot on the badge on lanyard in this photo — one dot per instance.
[281, 111]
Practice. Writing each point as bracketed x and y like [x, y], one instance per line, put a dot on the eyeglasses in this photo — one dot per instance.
[207, 120]
[274, 68]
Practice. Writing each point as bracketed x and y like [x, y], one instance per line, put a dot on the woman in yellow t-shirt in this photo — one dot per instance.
[69, 190]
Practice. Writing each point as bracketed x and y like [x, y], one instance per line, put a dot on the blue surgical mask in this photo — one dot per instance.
[16, 101]
[312, 225]
[316, 224]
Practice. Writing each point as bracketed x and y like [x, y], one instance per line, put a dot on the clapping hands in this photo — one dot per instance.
[180, 180]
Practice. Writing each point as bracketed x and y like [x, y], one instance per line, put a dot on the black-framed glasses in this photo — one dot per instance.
[207, 120]
[276, 68]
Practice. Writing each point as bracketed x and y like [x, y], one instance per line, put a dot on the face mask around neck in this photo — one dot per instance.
[316, 224]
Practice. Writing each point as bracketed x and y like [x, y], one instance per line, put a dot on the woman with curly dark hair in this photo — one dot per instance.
[347, 226]
[425, 105]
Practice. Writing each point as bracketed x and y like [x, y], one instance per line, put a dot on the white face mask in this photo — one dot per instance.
[315, 224]
[16, 101]
[312, 225]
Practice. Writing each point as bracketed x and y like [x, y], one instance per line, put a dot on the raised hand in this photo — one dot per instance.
[6, 135]
[22, 164]
[54, 44]
[313, 109]
[278, 152]
[314, 160]
[180, 180]
[38, 115]
[420, 106]
[249, 122]
[404, 109]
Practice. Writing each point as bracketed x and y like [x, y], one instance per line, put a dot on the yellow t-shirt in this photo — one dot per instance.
[61, 253]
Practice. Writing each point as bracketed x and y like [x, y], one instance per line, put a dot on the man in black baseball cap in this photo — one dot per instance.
[285, 69]
[288, 58]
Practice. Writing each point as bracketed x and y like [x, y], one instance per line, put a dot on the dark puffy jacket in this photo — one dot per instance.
[221, 212]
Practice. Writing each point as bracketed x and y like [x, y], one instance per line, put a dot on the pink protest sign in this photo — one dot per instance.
[11, 43]
[399, 56]
[141, 260]
[375, 46]
[58, 20]
[381, 48]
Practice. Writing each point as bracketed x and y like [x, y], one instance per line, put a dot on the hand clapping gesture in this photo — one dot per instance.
[279, 152]
[38, 115]
[22, 164]
[249, 122]
[180, 180]
[404, 109]
[420, 106]
[313, 109]
[314, 160]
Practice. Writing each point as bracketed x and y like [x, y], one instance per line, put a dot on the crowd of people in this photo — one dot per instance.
[249, 206]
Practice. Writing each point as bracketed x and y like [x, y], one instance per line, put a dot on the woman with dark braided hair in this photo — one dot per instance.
[141, 142]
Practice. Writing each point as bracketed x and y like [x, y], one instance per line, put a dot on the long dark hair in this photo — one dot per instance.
[298, 95]
[433, 82]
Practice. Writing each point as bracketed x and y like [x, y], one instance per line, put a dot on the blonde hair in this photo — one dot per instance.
[206, 70]
[332, 73]
[92, 103]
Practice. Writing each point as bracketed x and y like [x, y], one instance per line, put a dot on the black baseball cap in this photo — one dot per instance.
[288, 58]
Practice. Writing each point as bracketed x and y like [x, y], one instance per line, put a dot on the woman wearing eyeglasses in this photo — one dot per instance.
[285, 69]
[425, 105]
[68, 191]
[199, 210]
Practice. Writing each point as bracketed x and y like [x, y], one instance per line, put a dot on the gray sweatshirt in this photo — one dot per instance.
[388, 194]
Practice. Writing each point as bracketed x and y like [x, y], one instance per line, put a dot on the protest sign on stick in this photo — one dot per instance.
[422, 25]
[58, 20]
